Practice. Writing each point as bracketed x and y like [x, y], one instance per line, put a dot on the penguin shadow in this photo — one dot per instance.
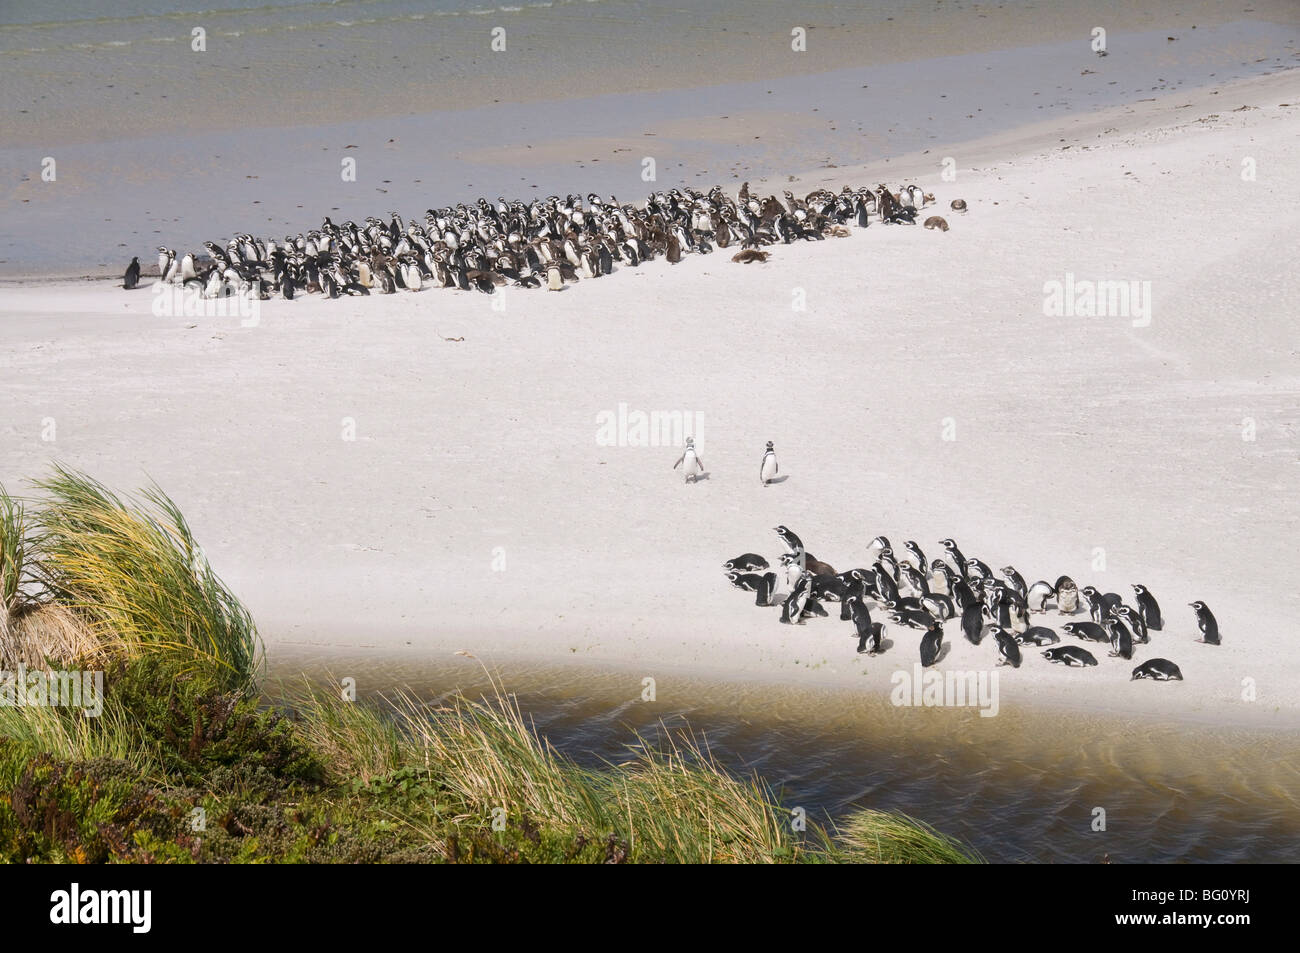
[943, 652]
[704, 475]
[778, 479]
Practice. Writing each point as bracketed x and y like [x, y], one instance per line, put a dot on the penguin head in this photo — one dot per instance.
[769, 445]
[690, 441]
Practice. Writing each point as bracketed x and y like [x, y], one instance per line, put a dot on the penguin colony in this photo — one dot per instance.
[549, 242]
[914, 593]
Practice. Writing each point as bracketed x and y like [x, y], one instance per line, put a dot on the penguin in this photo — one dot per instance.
[938, 605]
[958, 560]
[1121, 639]
[862, 626]
[978, 569]
[1099, 605]
[794, 604]
[936, 221]
[1206, 622]
[915, 552]
[763, 594]
[1067, 595]
[1038, 595]
[1133, 620]
[814, 607]
[931, 644]
[880, 542]
[958, 205]
[1148, 608]
[1158, 669]
[913, 618]
[886, 558]
[972, 623]
[692, 465]
[1071, 655]
[132, 276]
[746, 562]
[1088, 631]
[1008, 649]
[165, 258]
[1016, 581]
[962, 594]
[792, 542]
[1037, 635]
[749, 582]
[554, 279]
[916, 580]
[768, 468]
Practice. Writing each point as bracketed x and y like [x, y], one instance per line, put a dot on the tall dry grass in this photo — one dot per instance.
[136, 575]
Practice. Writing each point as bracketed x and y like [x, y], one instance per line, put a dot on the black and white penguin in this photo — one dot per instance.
[814, 607]
[1067, 595]
[749, 582]
[1008, 648]
[690, 462]
[1016, 581]
[916, 580]
[1159, 669]
[1071, 655]
[1148, 608]
[1039, 593]
[132, 276]
[1037, 635]
[792, 542]
[746, 562]
[931, 644]
[958, 560]
[914, 551]
[886, 559]
[793, 607]
[978, 570]
[1121, 639]
[1206, 622]
[938, 605]
[972, 622]
[1100, 605]
[1088, 631]
[767, 470]
[860, 615]
[1133, 619]
[913, 618]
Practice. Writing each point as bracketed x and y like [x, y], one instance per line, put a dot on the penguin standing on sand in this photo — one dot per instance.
[690, 462]
[132, 276]
[1148, 608]
[931, 644]
[1206, 622]
[768, 469]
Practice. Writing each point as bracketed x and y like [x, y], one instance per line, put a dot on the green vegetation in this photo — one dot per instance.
[188, 763]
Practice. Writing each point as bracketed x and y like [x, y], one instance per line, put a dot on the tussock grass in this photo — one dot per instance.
[671, 802]
[14, 549]
[136, 574]
[54, 633]
[71, 734]
[878, 837]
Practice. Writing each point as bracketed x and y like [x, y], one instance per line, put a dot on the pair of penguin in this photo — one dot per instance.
[693, 467]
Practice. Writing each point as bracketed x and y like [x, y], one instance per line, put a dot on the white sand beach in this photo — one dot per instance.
[1072, 434]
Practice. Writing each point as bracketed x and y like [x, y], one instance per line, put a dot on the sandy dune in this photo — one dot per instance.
[1072, 434]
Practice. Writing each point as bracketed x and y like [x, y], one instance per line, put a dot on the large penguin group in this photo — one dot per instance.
[550, 241]
[915, 593]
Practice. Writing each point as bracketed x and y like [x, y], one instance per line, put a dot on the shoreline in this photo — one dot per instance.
[615, 562]
[1023, 141]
